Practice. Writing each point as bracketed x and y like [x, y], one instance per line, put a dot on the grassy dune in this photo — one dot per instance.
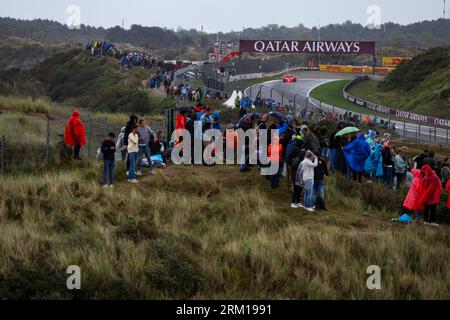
[421, 85]
[201, 233]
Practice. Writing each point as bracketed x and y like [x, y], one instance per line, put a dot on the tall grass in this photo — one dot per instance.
[203, 233]
[24, 104]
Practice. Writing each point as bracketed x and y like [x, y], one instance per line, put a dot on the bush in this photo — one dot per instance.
[380, 197]
[24, 104]
[177, 274]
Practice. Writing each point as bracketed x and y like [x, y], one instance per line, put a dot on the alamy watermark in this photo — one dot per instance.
[374, 281]
[250, 147]
[74, 17]
[74, 280]
[373, 21]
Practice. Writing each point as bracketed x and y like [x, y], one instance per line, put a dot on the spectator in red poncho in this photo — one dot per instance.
[415, 191]
[180, 124]
[431, 194]
[75, 135]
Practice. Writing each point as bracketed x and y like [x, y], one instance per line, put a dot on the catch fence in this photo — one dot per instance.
[38, 143]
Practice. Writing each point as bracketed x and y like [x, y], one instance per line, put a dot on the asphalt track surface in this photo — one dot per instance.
[298, 94]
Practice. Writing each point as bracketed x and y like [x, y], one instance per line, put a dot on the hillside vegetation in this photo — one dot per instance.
[25, 53]
[209, 233]
[77, 78]
[421, 85]
[423, 34]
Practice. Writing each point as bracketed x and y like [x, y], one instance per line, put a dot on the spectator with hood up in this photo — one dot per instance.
[357, 152]
[412, 199]
[431, 194]
[75, 135]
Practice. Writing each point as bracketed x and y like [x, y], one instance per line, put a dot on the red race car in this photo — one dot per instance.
[289, 79]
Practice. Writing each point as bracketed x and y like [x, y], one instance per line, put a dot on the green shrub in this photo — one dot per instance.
[378, 196]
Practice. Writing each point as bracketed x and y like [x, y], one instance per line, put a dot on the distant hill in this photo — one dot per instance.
[154, 37]
[25, 53]
[75, 77]
[423, 34]
[421, 85]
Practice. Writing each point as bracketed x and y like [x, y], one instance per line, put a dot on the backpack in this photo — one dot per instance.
[100, 154]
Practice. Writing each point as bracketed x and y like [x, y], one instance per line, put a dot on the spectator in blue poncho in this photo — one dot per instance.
[356, 154]
[371, 139]
[216, 119]
[374, 164]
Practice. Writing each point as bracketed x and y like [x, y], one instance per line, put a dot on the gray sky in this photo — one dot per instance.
[224, 15]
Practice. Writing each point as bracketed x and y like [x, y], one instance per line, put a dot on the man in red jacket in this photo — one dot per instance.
[75, 135]
[431, 194]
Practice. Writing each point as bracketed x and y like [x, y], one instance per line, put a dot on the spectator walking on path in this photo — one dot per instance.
[75, 134]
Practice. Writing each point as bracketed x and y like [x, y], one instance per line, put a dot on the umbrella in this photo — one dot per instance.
[346, 123]
[347, 131]
[184, 108]
[278, 116]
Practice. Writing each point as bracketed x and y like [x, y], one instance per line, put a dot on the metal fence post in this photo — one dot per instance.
[419, 132]
[447, 137]
[106, 126]
[435, 134]
[47, 142]
[404, 128]
[90, 137]
[2, 154]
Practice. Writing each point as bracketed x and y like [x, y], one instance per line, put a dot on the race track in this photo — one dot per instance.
[298, 95]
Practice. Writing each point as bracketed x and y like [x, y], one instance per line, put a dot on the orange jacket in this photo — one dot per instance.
[275, 154]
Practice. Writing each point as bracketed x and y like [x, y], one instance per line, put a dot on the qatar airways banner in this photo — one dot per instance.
[428, 120]
[289, 46]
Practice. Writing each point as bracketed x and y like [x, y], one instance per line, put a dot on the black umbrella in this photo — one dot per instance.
[346, 123]
[184, 108]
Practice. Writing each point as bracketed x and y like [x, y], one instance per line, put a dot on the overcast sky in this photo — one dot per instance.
[225, 15]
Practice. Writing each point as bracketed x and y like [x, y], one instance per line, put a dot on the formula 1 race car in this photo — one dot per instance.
[289, 79]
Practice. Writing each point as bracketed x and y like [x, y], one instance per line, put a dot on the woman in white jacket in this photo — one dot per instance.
[133, 151]
[307, 167]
